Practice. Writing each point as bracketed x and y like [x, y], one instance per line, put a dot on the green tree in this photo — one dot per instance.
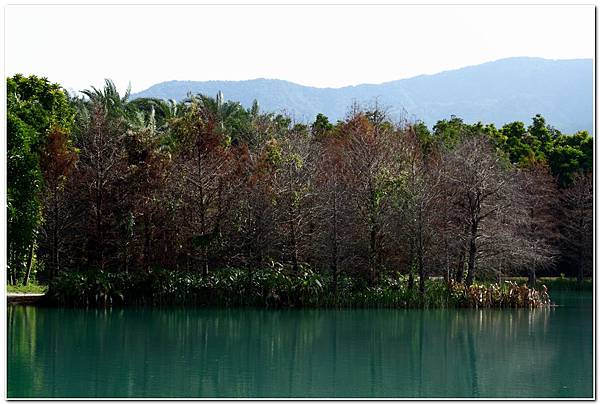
[24, 183]
[448, 132]
[321, 127]
[516, 145]
[571, 154]
[34, 108]
[540, 131]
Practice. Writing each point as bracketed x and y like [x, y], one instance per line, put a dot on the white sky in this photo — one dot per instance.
[323, 46]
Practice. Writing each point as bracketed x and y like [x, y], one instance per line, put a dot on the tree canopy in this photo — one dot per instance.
[102, 182]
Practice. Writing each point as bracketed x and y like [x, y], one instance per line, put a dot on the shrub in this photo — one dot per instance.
[277, 286]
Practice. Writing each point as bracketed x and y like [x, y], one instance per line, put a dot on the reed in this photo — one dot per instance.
[277, 287]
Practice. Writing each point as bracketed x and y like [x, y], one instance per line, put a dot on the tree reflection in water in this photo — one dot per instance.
[178, 352]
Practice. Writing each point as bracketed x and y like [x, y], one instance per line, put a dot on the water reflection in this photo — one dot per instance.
[257, 353]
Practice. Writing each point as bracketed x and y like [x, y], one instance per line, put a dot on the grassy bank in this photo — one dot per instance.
[30, 288]
[274, 287]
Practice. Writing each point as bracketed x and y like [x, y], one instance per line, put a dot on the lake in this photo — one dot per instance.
[183, 352]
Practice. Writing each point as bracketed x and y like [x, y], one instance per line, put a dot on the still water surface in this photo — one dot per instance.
[148, 352]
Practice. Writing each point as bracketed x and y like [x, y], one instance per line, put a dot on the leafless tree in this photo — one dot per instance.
[485, 193]
[577, 222]
[102, 161]
[372, 168]
[293, 190]
[419, 194]
[205, 166]
[539, 232]
[331, 208]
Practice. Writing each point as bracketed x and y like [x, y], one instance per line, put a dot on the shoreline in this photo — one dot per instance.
[223, 291]
[23, 298]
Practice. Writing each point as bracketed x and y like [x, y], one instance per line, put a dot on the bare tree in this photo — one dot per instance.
[419, 194]
[372, 167]
[205, 165]
[485, 191]
[101, 162]
[292, 193]
[57, 161]
[540, 228]
[331, 208]
[577, 222]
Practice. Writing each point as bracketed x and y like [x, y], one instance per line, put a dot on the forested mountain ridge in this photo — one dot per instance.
[513, 89]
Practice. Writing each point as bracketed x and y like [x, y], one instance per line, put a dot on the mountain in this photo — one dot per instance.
[513, 89]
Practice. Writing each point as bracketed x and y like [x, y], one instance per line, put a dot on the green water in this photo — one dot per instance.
[302, 353]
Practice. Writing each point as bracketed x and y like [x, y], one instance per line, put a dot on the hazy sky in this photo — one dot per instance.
[323, 46]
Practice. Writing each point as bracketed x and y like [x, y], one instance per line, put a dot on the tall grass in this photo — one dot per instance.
[277, 287]
[31, 288]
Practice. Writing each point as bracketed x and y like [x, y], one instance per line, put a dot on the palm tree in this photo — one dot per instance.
[109, 98]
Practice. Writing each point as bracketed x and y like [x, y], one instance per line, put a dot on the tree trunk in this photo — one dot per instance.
[54, 266]
[411, 280]
[202, 215]
[146, 262]
[472, 254]
[421, 269]
[580, 265]
[334, 261]
[294, 243]
[471, 263]
[422, 279]
[126, 256]
[205, 260]
[532, 278]
[372, 247]
[99, 246]
[29, 263]
[11, 268]
[372, 236]
[447, 272]
[460, 269]
[580, 250]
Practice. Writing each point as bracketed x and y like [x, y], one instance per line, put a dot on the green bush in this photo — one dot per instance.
[277, 286]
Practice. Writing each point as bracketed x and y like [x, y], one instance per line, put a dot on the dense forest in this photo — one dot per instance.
[103, 187]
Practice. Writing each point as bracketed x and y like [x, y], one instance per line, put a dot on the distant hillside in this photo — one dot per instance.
[499, 92]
